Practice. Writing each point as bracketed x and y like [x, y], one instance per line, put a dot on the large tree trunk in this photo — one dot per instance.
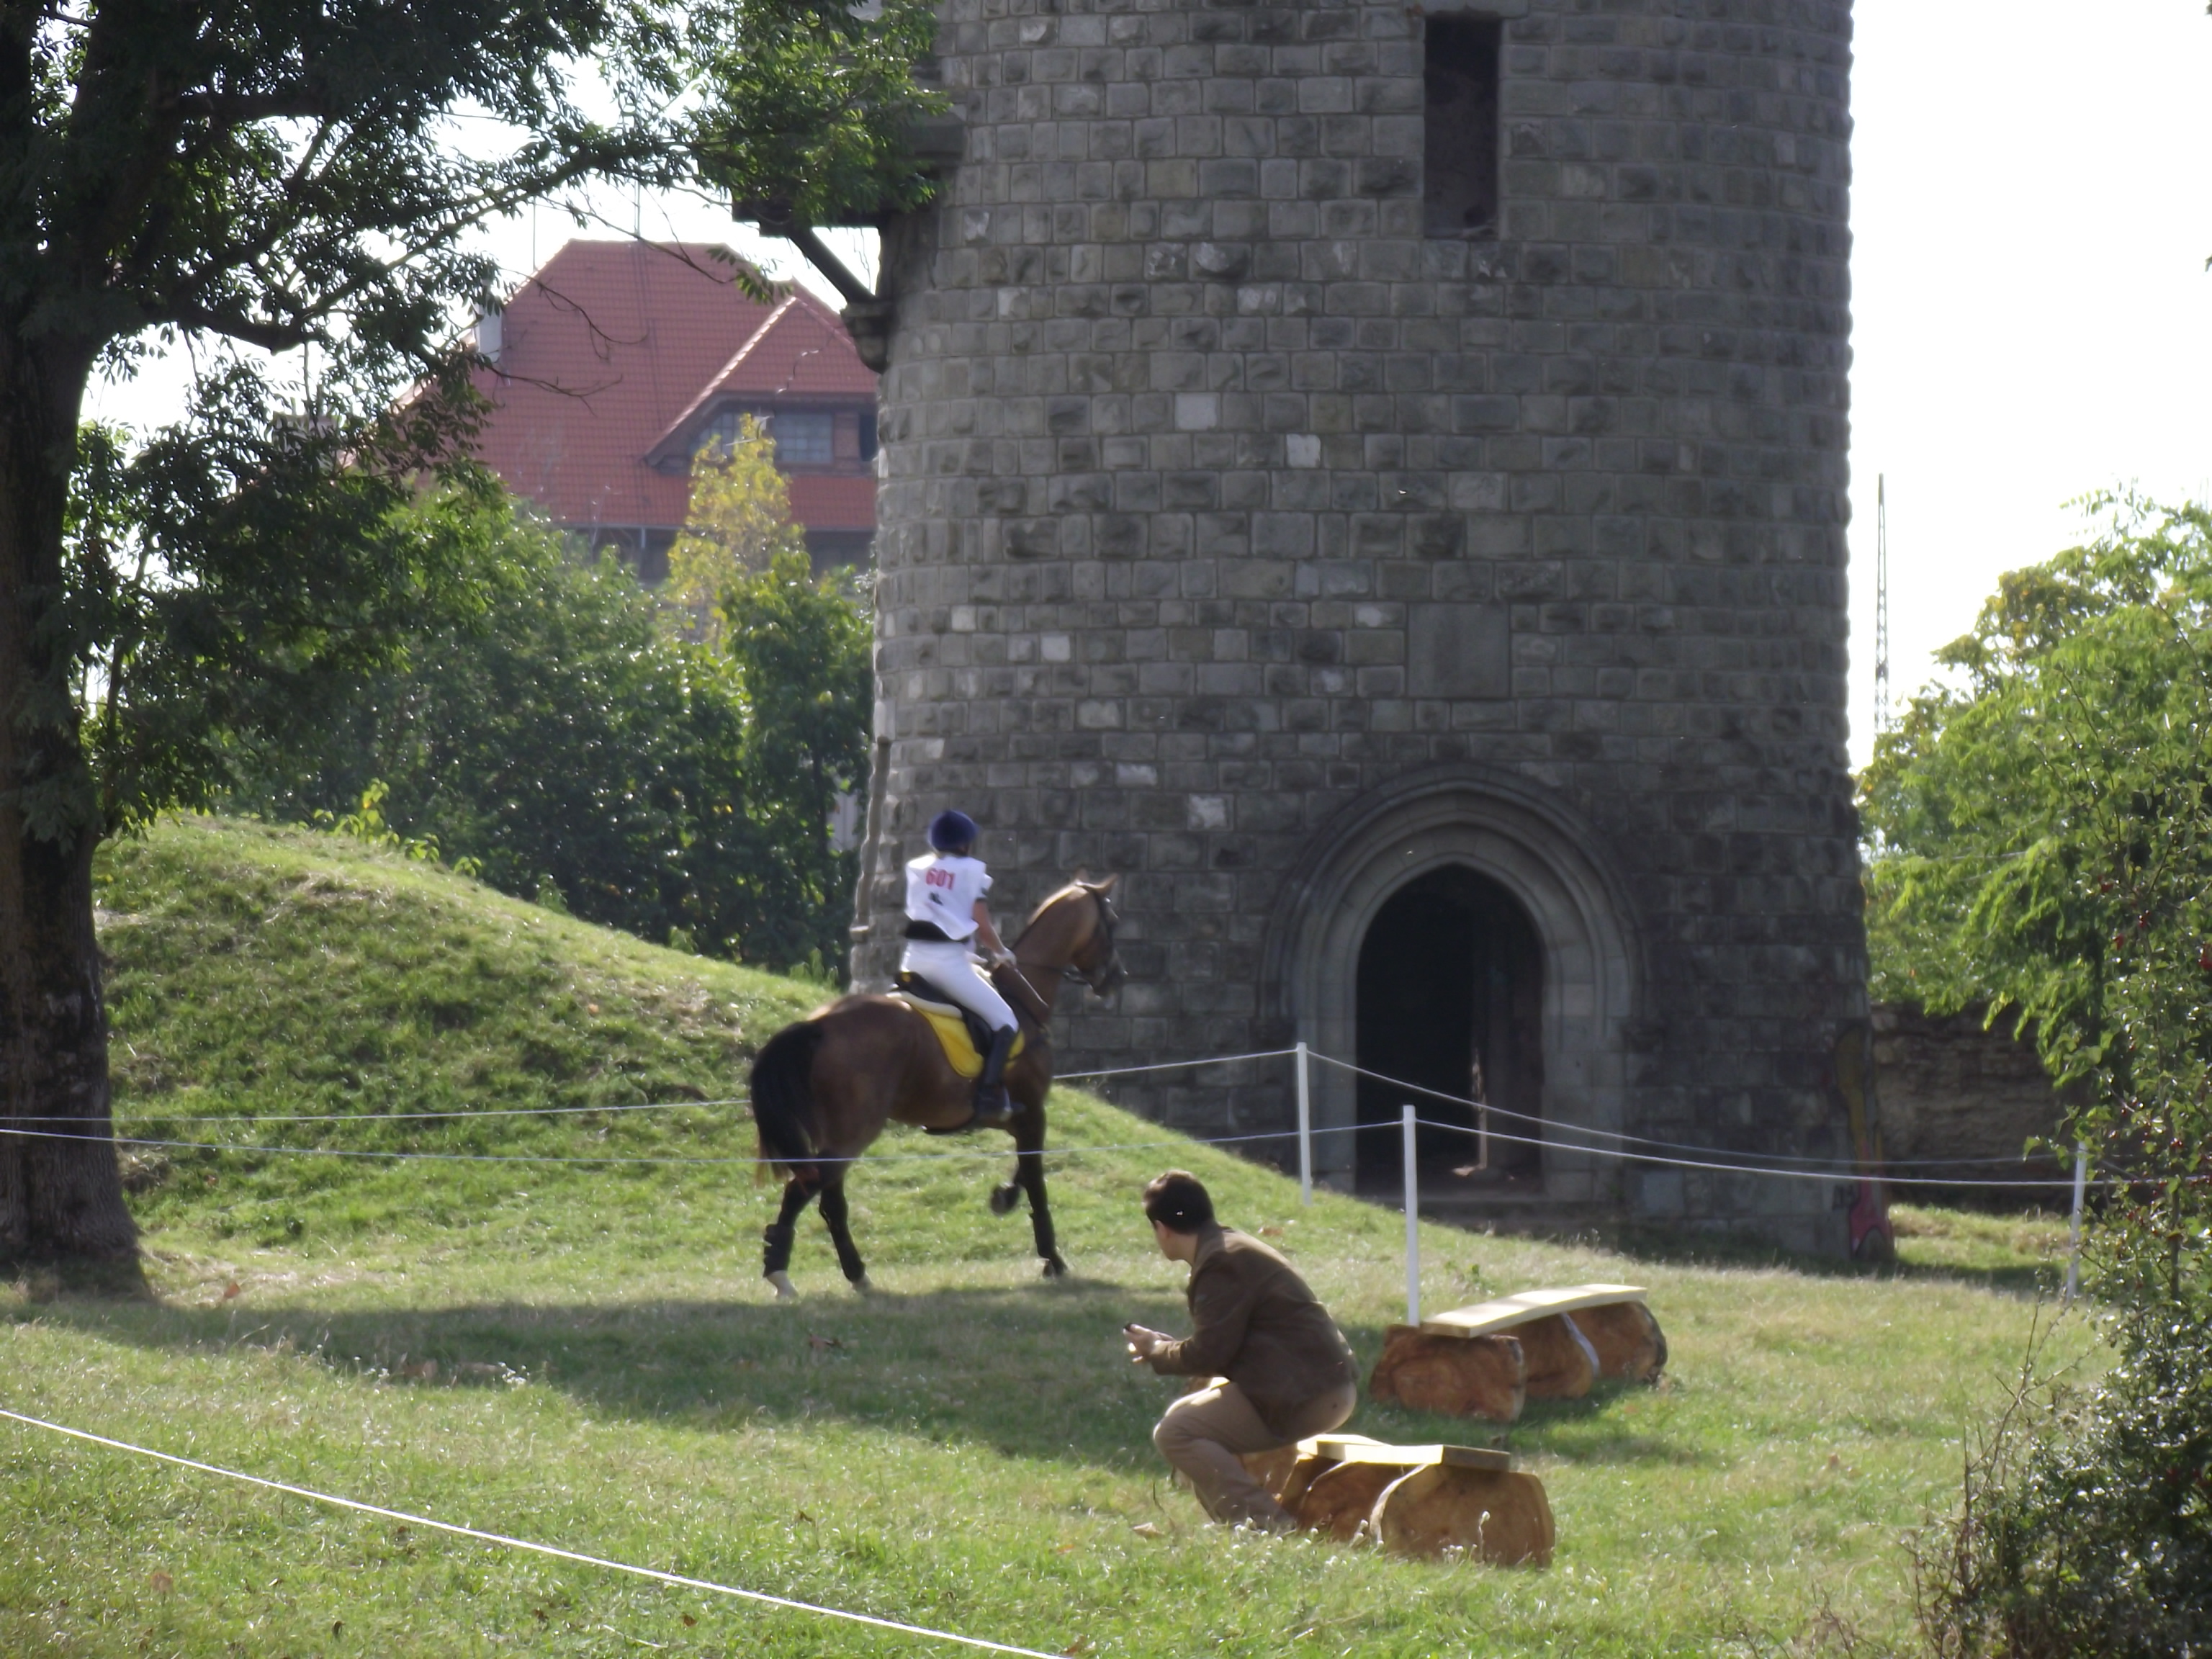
[61, 1193]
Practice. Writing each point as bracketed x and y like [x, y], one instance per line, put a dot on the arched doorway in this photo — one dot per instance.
[1503, 847]
[1451, 997]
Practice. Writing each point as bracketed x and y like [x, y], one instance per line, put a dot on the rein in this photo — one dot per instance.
[1040, 1012]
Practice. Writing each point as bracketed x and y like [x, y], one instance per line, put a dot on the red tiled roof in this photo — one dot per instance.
[608, 345]
[801, 351]
[823, 500]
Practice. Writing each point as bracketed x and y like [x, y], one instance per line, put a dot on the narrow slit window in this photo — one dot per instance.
[1461, 147]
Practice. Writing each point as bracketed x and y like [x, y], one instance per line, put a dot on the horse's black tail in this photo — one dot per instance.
[783, 1101]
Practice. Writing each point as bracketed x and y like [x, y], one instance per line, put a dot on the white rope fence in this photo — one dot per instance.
[601, 1158]
[1783, 1167]
[405, 1117]
[1612, 1134]
[506, 1542]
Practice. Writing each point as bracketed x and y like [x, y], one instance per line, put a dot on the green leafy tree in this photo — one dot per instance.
[2043, 843]
[2042, 839]
[269, 176]
[265, 175]
[738, 520]
[801, 649]
[555, 737]
[564, 745]
[812, 105]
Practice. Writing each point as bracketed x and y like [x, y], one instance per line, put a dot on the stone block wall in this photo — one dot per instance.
[1217, 496]
[1959, 1098]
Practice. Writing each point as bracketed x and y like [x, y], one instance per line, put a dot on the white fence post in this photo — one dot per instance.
[1412, 1220]
[2074, 1231]
[1305, 1131]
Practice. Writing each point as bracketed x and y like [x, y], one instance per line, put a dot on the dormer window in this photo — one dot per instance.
[802, 438]
[720, 432]
[808, 439]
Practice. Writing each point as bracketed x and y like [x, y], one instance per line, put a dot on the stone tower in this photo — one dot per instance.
[1374, 476]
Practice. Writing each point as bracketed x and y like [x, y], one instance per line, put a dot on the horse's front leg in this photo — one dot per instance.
[1028, 1172]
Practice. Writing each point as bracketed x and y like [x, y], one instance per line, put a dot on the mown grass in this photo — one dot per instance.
[584, 1354]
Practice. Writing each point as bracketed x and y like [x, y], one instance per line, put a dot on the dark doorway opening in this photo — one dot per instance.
[1451, 998]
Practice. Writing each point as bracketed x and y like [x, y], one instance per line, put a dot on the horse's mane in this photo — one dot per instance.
[1053, 898]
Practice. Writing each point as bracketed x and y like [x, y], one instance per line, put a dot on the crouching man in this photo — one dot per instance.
[1281, 1369]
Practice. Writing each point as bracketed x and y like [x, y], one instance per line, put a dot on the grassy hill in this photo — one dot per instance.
[584, 1354]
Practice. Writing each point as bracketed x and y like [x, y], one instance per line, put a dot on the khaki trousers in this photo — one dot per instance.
[1202, 1434]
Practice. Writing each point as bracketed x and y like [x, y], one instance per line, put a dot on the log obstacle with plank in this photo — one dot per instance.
[1462, 1363]
[1415, 1500]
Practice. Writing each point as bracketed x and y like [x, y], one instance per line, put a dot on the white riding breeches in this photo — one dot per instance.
[950, 968]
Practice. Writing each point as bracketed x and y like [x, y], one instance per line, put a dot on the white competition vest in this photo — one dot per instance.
[943, 890]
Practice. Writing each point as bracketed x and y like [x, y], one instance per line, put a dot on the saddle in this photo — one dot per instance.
[963, 1036]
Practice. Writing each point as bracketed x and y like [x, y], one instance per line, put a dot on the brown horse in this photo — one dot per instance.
[823, 1089]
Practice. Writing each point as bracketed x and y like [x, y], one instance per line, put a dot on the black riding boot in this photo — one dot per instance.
[992, 1107]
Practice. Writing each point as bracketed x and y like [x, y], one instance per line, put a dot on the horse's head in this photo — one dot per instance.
[1098, 962]
[1074, 932]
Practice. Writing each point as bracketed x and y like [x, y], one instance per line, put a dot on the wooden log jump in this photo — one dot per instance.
[1415, 1500]
[1461, 1363]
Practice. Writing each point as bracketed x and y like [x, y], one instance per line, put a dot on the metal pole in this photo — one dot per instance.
[1413, 1220]
[1306, 1132]
[2074, 1231]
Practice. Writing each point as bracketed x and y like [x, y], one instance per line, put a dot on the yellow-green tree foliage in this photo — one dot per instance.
[739, 519]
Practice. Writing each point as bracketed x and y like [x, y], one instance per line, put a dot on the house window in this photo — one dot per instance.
[804, 440]
[722, 432]
[1460, 83]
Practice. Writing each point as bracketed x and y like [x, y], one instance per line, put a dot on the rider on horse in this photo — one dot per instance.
[944, 910]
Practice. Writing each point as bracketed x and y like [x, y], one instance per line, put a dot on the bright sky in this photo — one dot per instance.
[2033, 212]
[2032, 315]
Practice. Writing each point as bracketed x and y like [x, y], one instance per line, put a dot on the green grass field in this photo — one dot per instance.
[585, 1355]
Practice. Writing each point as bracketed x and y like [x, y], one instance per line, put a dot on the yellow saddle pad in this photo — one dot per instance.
[952, 1028]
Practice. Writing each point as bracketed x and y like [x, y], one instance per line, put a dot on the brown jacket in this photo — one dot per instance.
[1258, 1325]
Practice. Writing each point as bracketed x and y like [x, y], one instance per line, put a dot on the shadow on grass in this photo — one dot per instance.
[1037, 1372]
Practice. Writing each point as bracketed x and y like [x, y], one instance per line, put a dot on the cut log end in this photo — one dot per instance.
[1626, 1339]
[1453, 1376]
[1340, 1498]
[1496, 1517]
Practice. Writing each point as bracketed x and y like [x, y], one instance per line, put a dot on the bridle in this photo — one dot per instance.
[1101, 980]
[1109, 973]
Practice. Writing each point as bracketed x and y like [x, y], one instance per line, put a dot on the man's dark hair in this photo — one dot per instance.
[1176, 1201]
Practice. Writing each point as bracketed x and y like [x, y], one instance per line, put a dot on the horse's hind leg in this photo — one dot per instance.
[776, 1237]
[840, 1235]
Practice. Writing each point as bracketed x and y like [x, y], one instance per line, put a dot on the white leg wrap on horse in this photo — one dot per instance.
[785, 1290]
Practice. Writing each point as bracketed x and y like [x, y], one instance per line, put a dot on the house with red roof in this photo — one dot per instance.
[618, 361]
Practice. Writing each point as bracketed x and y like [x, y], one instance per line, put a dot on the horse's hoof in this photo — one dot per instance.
[1003, 1199]
[785, 1290]
[1054, 1267]
[863, 1286]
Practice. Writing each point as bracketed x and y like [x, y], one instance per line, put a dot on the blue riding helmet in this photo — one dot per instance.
[952, 832]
